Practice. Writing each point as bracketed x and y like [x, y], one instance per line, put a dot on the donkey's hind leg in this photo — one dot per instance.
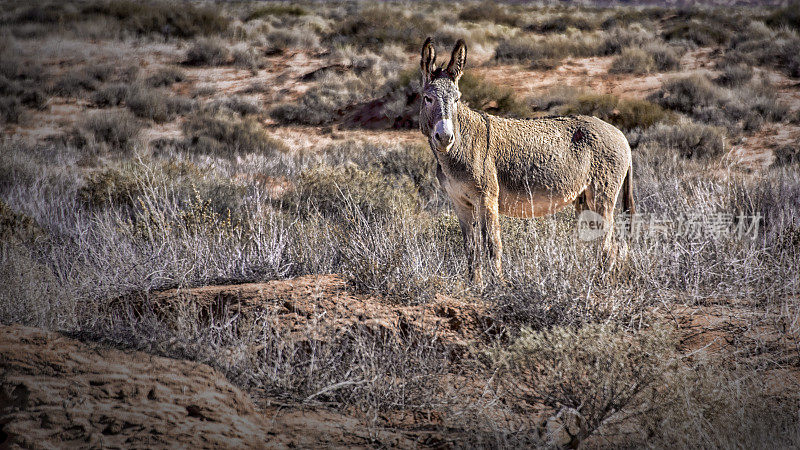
[609, 249]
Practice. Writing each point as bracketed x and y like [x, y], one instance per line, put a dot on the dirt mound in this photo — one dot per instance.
[56, 392]
[323, 303]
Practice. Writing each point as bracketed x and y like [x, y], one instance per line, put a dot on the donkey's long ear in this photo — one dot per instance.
[428, 62]
[458, 60]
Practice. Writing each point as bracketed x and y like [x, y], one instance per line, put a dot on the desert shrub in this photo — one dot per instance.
[613, 41]
[27, 92]
[624, 113]
[227, 134]
[413, 162]
[632, 60]
[112, 94]
[19, 227]
[685, 93]
[554, 97]
[166, 76]
[247, 58]
[321, 104]
[375, 27]
[482, 94]
[236, 104]
[548, 51]
[111, 186]
[735, 75]
[701, 33]
[689, 139]
[332, 190]
[282, 39]
[743, 107]
[162, 17]
[788, 16]
[11, 110]
[666, 57]
[107, 130]
[207, 52]
[276, 10]
[560, 23]
[491, 12]
[156, 105]
[786, 154]
[586, 375]
[710, 403]
[73, 84]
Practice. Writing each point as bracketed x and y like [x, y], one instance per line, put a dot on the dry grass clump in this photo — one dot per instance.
[111, 187]
[622, 112]
[261, 12]
[688, 139]
[11, 110]
[282, 39]
[559, 23]
[334, 190]
[482, 94]
[548, 51]
[156, 105]
[701, 33]
[207, 52]
[585, 375]
[104, 131]
[161, 17]
[73, 84]
[785, 155]
[227, 134]
[113, 94]
[743, 107]
[374, 27]
[26, 92]
[654, 56]
[632, 60]
[491, 12]
[735, 75]
[166, 76]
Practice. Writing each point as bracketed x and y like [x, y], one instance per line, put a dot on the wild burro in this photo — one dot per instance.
[520, 168]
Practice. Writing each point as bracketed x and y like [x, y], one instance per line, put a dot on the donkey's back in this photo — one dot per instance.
[543, 164]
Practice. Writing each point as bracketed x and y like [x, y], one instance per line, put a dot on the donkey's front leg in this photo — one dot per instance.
[490, 221]
[467, 220]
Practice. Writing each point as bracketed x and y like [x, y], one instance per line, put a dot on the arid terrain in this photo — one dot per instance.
[220, 227]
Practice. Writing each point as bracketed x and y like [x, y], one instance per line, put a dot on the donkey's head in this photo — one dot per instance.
[440, 94]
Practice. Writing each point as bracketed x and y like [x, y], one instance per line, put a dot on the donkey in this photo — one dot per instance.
[490, 165]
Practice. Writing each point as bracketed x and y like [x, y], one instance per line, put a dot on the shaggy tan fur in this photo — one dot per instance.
[522, 168]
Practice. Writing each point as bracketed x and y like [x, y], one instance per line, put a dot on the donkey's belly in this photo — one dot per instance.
[527, 204]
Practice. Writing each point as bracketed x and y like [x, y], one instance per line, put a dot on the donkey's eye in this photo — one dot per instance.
[428, 99]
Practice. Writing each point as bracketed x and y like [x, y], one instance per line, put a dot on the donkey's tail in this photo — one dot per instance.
[627, 192]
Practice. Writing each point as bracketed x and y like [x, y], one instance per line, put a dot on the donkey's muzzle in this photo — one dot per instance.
[443, 134]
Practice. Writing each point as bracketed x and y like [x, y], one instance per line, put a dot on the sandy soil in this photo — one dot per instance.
[57, 392]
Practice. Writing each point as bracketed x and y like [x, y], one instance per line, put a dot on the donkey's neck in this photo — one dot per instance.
[472, 134]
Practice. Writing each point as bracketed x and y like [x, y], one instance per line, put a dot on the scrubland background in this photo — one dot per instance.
[153, 147]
